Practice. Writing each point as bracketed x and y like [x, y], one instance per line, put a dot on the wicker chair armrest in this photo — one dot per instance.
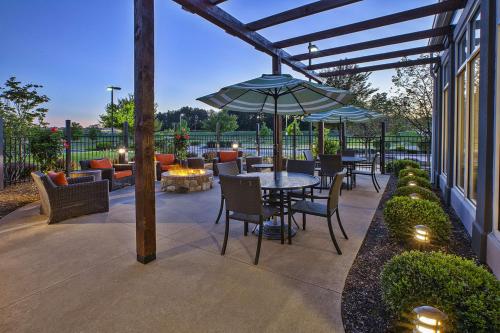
[77, 180]
[122, 167]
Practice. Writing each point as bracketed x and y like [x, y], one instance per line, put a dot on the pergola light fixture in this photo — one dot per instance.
[428, 320]
[312, 48]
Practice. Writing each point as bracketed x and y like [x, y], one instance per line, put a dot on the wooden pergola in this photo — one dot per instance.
[248, 32]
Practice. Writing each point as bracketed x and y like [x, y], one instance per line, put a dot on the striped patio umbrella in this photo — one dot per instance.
[277, 94]
[345, 113]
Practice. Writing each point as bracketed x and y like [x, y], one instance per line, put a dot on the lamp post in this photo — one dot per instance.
[180, 119]
[311, 48]
[112, 89]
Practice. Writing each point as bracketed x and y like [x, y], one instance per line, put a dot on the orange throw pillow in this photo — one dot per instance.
[228, 156]
[58, 178]
[122, 174]
[165, 159]
[104, 163]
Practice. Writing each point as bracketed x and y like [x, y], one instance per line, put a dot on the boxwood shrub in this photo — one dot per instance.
[424, 193]
[422, 182]
[398, 165]
[402, 214]
[416, 172]
[466, 292]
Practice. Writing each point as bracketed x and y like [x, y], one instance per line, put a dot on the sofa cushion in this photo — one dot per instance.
[104, 163]
[228, 156]
[169, 167]
[58, 178]
[165, 159]
[122, 174]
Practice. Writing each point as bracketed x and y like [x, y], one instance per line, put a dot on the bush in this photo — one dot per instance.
[466, 292]
[397, 165]
[402, 214]
[332, 146]
[46, 145]
[422, 182]
[417, 172]
[103, 145]
[424, 193]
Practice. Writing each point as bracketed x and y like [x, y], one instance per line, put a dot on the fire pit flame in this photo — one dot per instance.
[186, 172]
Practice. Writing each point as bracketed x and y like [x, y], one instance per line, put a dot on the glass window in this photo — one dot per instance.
[473, 127]
[461, 154]
[444, 139]
[476, 31]
[462, 50]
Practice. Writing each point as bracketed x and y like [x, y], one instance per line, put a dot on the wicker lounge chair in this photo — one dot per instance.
[112, 174]
[82, 196]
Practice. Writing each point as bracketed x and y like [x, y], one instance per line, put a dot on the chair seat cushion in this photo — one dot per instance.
[308, 207]
[168, 167]
[103, 163]
[122, 174]
[228, 156]
[58, 178]
[165, 159]
[268, 212]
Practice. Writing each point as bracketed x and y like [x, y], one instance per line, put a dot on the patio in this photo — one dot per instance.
[82, 274]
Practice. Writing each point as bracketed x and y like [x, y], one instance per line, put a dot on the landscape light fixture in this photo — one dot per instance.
[428, 320]
[422, 234]
[410, 174]
[112, 89]
[122, 155]
[414, 196]
[235, 146]
[412, 183]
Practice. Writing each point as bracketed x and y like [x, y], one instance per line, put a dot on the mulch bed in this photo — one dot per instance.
[362, 307]
[15, 196]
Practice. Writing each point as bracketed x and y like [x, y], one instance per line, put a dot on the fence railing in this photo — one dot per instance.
[18, 162]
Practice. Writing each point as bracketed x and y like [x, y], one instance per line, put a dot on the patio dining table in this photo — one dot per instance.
[279, 184]
[350, 163]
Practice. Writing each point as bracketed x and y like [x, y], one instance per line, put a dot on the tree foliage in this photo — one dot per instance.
[76, 130]
[122, 111]
[227, 122]
[21, 107]
[93, 132]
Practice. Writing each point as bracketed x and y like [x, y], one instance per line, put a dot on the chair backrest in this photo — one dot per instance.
[228, 168]
[195, 163]
[330, 164]
[349, 152]
[333, 195]
[251, 161]
[44, 184]
[242, 194]
[85, 164]
[375, 161]
[301, 166]
[308, 155]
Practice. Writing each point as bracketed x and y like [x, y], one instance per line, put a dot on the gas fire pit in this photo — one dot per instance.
[187, 180]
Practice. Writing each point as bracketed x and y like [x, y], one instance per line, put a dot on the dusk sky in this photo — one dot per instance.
[76, 48]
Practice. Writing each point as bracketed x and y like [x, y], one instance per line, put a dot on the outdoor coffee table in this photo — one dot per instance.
[97, 174]
[261, 166]
[284, 181]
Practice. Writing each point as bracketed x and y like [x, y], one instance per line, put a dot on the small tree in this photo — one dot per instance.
[290, 127]
[181, 141]
[93, 132]
[76, 131]
[264, 130]
[46, 146]
[123, 111]
[227, 122]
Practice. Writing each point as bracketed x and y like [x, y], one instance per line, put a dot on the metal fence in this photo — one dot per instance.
[18, 162]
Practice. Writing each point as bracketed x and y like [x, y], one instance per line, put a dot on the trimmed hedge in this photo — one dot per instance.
[422, 182]
[424, 193]
[466, 292]
[398, 165]
[416, 172]
[402, 214]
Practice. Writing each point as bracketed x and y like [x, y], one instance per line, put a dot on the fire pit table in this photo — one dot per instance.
[187, 180]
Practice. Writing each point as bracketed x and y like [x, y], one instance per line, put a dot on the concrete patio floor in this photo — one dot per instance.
[81, 275]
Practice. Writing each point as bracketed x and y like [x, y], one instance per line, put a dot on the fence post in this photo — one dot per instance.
[294, 138]
[125, 134]
[321, 138]
[217, 136]
[382, 147]
[2, 184]
[68, 147]
[257, 138]
[342, 132]
[310, 136]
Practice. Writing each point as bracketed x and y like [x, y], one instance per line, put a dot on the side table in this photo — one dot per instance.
[97, 174]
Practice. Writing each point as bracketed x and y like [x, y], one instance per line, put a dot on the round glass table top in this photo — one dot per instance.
[284, 180]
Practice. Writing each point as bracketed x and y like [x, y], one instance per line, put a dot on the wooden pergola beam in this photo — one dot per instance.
[234, 27]
[296, 13]
[379, 56]
[145, 217]
[399, 64]
[216, 2]
[376, 43]
[381, 21]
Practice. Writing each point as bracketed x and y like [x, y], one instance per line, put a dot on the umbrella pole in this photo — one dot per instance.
[276, 138]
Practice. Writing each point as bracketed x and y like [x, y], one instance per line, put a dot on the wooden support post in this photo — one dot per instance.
[68, 147]
[145, 214]
[321, 138]
[2, 145]
[382, 147]
[278, 126]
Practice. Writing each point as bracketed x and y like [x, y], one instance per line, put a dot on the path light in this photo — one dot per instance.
[428, 320]
[411, 174]
[235, 145]
[412, 183]
[414, 196]
[122, 155]
[422, 234]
